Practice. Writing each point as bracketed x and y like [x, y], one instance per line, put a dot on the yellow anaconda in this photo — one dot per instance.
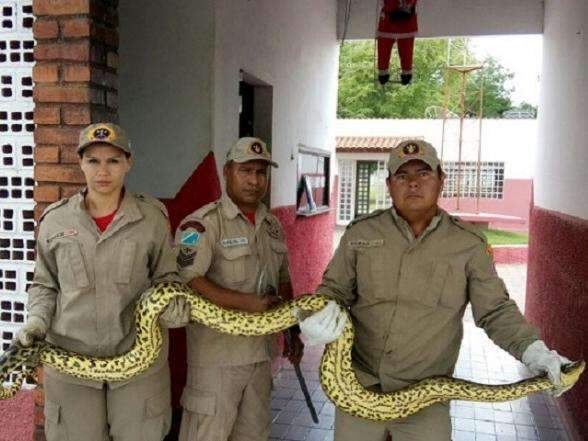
[336, 374]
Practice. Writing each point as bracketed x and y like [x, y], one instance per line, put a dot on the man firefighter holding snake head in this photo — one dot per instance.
[407, 274]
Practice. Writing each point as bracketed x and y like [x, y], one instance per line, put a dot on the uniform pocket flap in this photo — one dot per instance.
[279, 247]
[203, 403]
[52, 411]
[436, 284]
[77, 264]
[233, 253]
[157, 404]
[127, 251]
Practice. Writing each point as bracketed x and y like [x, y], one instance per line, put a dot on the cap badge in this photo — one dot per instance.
[411, 149]
[256, 148]
[101, 133]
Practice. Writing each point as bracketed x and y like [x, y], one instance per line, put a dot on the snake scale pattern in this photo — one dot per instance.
[336, 374]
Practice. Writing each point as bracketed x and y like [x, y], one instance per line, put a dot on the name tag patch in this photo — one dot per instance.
[61, 234]
[366, 243]
[234, 241]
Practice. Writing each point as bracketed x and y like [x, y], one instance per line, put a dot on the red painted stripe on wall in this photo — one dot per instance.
[310, 243]
[16, 417]
[507, 255]
[557, 296]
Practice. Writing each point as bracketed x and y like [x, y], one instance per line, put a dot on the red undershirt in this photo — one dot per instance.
[104, 221]
[250, 216]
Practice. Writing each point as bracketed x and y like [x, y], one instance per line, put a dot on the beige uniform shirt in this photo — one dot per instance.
[86, 283]
[218, 242]
[407, 296]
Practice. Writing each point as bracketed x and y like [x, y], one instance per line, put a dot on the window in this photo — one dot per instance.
[346, 191]
[371, 191]
[312, 194]
[491, 179]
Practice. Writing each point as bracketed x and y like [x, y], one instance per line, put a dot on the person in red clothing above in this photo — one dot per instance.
[398, 22]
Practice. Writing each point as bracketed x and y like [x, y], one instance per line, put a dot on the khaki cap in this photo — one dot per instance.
[250, 149]
[107, 133]
[410, 150]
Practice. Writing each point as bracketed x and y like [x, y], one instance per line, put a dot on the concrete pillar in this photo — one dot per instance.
[557, 296]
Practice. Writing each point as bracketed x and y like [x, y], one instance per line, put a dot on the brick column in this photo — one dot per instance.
[75, 84]
[75, 79]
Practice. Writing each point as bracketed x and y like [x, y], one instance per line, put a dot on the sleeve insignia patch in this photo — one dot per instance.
[274, 230]
[190, 237]
[185, 257]
[194, 225]
[489, 250]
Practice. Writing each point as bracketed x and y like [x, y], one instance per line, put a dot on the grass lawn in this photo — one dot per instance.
[500, 237]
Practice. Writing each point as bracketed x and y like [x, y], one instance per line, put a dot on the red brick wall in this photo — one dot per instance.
[75, 84]
[557, 296]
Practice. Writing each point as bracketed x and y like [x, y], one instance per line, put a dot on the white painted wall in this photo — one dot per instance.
[513, 141]
[292, 46]
[442, 18]
[562, 162]
[166, 53]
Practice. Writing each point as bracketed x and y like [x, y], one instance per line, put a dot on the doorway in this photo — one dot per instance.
[255, 113]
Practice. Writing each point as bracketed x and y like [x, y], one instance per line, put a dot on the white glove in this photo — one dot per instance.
[176, 314]
[323, 326]
[34, 329]
[539, 359]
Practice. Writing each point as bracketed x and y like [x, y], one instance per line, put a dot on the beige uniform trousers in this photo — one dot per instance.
[137, 411]
[227, 403]
[430, 424]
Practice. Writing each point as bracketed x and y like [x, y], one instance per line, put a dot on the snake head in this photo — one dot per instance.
[570, 373]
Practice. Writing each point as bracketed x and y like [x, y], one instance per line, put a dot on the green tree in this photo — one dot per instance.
[361, 96]
[496, 92]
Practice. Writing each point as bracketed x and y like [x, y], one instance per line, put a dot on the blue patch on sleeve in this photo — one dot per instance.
[190, 237]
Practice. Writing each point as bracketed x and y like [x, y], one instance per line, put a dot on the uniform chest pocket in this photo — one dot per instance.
[126, 261]
[71, 266]
[235, 263]
[371, 274]
[444, 288]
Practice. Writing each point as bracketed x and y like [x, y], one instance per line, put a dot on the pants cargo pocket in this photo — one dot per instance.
[197, 405]
[157, 418]
[55, 429]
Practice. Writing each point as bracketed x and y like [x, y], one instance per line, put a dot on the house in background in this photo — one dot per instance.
[496, 190]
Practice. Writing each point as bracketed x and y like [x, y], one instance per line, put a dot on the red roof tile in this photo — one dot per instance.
[372, 144]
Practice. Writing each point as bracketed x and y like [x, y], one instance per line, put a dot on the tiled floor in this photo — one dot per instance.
[532, 418]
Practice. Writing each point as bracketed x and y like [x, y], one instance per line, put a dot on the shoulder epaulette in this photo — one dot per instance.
[205, 209]
[53, 206]
[152, 201]
[469, 228]
[367, 216]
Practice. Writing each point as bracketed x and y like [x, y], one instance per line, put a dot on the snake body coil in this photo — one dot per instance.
[336, 374]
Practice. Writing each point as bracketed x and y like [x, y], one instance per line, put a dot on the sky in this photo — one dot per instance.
[522, 55]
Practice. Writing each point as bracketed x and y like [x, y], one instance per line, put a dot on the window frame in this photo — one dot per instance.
[302, 184]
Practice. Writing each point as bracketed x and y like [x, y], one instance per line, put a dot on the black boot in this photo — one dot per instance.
[405, 79]
[383, 78]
